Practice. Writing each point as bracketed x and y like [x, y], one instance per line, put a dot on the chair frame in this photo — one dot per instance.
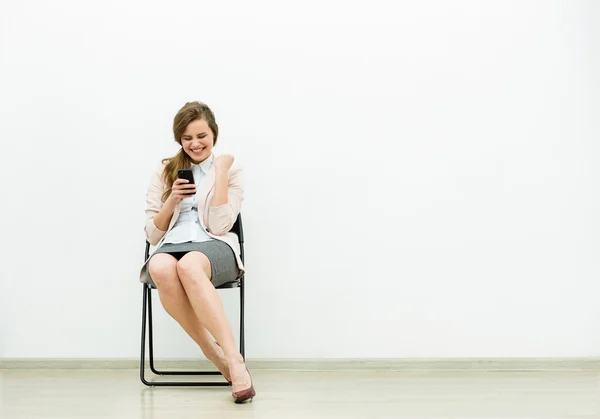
[147, 321]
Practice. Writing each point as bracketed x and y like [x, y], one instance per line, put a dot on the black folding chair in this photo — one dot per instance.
[147, 316]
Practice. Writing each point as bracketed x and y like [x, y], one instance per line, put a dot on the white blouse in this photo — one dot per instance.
[187, 228]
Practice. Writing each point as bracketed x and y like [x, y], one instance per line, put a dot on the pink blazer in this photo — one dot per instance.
[217, 221]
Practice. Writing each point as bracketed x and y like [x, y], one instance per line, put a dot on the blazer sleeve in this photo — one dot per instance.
[222, 218]
[153, 205]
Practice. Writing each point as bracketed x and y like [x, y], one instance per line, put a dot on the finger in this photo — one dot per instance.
[184, 186]
[187, 191]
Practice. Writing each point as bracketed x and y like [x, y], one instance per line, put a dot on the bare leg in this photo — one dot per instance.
[163, 269]
[195, 271]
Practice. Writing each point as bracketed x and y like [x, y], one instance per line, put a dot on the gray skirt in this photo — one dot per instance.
[224, 267]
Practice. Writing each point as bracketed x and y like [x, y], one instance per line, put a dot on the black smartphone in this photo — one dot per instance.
[186, 174]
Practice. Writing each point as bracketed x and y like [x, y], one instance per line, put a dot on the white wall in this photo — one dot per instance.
[422, 177]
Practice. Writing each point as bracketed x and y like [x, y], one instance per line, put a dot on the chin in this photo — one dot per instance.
[198, 157]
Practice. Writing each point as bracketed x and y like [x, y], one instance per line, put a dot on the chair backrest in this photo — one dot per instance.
[238, 229]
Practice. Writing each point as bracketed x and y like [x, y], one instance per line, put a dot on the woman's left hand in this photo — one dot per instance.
[224, 162]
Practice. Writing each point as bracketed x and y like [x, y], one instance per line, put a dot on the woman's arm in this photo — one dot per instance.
[221, 196]
[163, 218]
[157, 213]
[227, 200]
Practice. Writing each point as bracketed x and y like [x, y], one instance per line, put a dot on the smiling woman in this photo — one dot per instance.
[190, 224]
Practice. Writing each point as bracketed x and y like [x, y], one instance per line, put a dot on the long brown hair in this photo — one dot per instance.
[190, 112]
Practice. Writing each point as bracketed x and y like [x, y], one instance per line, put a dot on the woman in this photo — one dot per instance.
[190, 224]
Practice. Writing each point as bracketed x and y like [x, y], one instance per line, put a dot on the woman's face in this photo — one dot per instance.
[197, 140]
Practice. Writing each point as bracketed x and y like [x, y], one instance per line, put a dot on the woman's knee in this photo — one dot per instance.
[193, 265]
[163, 270]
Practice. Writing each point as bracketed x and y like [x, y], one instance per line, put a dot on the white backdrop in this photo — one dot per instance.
[422, 176]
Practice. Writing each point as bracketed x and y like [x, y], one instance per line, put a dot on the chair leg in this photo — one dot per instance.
[242, 326]
[143, 349]
[151, 335]
[147, 308]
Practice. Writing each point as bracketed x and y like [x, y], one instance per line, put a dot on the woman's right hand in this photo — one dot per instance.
[182, 189]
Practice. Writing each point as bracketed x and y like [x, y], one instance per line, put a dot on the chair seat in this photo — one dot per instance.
[235, 284]
[227, 285]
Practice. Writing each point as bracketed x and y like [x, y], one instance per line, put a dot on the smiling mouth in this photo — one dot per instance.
[197, 150]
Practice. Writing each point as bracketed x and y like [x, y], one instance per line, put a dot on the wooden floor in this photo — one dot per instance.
[77, 394]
